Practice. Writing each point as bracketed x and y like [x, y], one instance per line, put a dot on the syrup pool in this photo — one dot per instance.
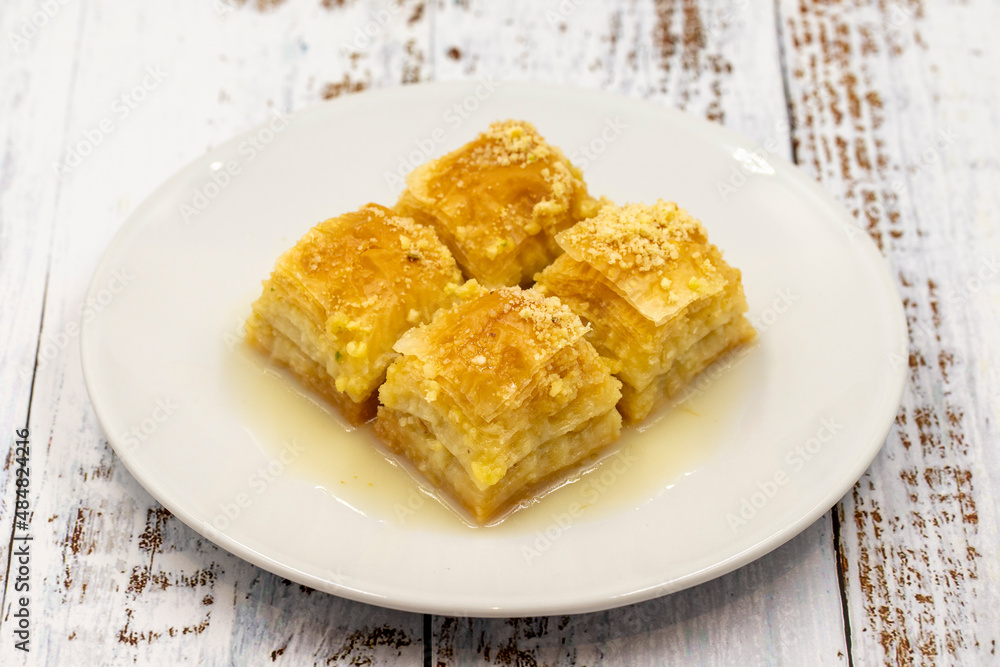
[353, 468]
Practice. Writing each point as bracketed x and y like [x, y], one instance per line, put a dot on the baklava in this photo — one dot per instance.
[498, 398]
[498, 201]
[661, 302]
[338, 301]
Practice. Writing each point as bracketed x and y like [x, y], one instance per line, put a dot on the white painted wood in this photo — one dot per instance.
[769, 612]
[118, 581]
[36, 90]
[896, 113]
[719, 60]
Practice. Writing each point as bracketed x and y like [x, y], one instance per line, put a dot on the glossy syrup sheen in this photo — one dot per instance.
[353, 467]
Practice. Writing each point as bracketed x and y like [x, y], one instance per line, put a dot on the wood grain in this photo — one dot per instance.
[718, 60]
[896, 115]
[893, 107]
[36, 93]
[118, 579]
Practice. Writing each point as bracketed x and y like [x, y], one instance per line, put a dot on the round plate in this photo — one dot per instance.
[765, 443]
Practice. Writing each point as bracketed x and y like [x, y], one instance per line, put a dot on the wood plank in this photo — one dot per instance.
[28, 192]
[895, 108]
[719, 60]
[872, 90]
[115, 577]
[36, 85]
[768, 612]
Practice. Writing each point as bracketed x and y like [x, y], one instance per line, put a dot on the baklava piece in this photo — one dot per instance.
[338, 301]
[498, 201]
[498, 398]
[662, 303]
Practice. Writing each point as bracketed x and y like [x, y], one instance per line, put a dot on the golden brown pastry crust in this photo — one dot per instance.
[526, 480]
[308, 372]
[636, 404]
[487, 390]
[342, 296]
[495, 394]
[498, 201]
[654, 291]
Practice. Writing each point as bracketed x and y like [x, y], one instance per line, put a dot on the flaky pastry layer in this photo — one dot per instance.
[639, 349]
[636, 404]
[345, 293]
[545, 466]
[494, 383]
[498, 201]
[661, 301]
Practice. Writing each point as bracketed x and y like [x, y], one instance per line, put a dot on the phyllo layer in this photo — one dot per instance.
[498, 201]
[498, 396]
[338, 301]
[651, 287]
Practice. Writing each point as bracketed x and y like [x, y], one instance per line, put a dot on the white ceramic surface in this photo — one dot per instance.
[768, 443]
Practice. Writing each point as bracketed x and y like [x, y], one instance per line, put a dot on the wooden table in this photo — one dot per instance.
[893, 106]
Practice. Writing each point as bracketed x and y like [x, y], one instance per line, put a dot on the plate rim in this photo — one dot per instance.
[790, 176]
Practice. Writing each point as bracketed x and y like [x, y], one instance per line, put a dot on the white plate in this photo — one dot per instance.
[769, 442]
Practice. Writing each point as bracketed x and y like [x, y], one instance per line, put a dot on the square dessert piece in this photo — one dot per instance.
[498, 201]
[662, 303]
[338, 301]
[498, 398]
